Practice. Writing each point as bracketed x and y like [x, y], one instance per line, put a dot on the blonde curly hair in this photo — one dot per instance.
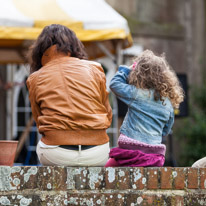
[153, 72]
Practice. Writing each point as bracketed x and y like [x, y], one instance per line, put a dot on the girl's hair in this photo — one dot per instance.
[153, 72]
[59, 35]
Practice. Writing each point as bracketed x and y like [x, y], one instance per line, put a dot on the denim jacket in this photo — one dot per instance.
[146, 120]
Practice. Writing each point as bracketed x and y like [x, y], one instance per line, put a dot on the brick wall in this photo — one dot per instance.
[102, 186]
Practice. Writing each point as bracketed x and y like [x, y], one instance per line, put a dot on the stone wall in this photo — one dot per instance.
[102, 186]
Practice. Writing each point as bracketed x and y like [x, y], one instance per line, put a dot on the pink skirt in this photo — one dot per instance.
[133, 158]
[133, 153]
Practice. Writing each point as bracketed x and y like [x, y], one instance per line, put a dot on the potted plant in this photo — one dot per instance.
[7, 152]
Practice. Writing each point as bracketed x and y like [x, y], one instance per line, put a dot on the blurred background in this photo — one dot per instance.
[113, 32]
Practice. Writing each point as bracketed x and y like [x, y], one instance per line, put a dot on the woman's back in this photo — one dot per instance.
[69, 100]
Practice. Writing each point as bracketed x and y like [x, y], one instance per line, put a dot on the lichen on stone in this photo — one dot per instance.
[137, 175]
[31, 171]
[4, 200]
[111, 174]
[25, 201]
[94, 176]
[174, 174]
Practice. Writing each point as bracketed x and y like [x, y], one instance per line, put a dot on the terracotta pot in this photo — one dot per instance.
[7, 152]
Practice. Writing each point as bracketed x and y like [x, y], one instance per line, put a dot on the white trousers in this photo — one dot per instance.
[57, 156]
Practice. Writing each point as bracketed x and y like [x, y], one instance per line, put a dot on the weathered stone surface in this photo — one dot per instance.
[138, 178]
[45, 178]
[16, 178]
[195, 199]
[95, 178]
[124, 180]
[179, 177]
[29, 177]
[20, 200]
[111, 178]
[86, 198]
[49, 186]
[115, 199]
[152, 178]
[202, 178]
[81, 178]
[192, 178]
[166, 178]
[60, 175]
[54, 199]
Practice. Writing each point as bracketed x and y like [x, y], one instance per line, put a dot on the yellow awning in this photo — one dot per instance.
[91, 20]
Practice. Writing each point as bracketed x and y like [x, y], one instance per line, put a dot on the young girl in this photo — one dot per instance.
[151, 90]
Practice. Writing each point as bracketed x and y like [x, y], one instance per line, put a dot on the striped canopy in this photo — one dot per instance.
[21, 21]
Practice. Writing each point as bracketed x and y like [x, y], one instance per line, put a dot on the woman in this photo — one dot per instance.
[69, 100]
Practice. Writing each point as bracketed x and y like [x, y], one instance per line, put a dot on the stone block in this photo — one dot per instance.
[124, 181]
[45, 178]
[20, 199]
[81, 178]
[166, 178]
[195, 199]
[138, 178]
[86, 198]
[111, 178]
[29, 177]
[59, 178]
[95, 178]
[140, 199]
[152, 178]
[179, 177]
[115, 199]
[18, 178]
[57, 199]
[202, 178]
[192, 178]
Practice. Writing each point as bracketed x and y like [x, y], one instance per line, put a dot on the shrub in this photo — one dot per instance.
[192, 133]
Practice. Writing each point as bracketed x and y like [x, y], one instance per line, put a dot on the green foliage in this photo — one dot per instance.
[201, 98]
[192, 133]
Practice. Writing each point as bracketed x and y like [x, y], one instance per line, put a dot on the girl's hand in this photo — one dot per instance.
[131, 66]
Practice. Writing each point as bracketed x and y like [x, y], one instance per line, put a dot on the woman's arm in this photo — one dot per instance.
[105, 99]
[101, 79]
[34, 106]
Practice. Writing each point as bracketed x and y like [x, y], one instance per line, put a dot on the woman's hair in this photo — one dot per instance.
[153, 72]
[59, 35]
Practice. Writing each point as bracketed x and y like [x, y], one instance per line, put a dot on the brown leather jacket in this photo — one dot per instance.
[69, 100]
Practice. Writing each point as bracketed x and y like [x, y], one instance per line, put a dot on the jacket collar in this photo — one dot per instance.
[50, 54]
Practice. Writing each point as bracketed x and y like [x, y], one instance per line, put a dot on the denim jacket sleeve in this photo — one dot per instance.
[120, 87]
[167, 128]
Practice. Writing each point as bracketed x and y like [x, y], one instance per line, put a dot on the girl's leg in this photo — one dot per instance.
[111, 163]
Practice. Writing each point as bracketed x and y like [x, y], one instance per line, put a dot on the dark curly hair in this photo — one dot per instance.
[55, 34]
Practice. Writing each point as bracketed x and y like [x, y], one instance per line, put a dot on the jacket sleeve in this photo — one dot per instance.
[168, 127]
[120, 87]
[34, 106]
[105, 98]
